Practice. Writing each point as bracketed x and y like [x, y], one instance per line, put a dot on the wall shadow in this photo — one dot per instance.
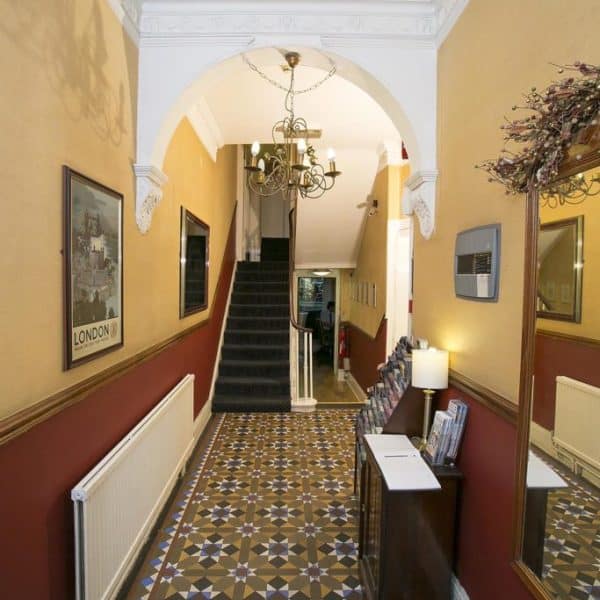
[71, 48]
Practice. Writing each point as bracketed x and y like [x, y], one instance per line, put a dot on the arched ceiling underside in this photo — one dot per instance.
[240, 106]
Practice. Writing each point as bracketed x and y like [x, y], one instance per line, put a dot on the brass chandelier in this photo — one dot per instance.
[292, 165]
[572, 190]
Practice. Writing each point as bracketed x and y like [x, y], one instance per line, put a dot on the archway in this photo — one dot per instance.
[173, 78]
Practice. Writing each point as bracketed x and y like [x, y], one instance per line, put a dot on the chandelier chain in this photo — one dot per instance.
[319, 83]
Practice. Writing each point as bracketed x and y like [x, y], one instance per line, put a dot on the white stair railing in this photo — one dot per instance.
[301, 341]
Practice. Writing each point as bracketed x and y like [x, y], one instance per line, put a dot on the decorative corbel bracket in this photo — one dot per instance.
[419, 198]
[148, 189]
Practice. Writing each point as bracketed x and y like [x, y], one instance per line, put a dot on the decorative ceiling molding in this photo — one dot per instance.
[419, 199]
[375, 23]
[206, 127]
[149, 193]
[129, 13]
[448, 13]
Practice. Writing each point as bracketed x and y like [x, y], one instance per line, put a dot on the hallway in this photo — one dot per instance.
[264, 512]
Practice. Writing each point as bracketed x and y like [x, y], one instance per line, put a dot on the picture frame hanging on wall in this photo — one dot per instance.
[93, 268]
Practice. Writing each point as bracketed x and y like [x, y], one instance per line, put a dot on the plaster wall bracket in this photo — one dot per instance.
[149, 192]
[419, 199]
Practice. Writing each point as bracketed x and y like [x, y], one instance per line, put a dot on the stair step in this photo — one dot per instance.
[263, 266]
[274, 368]
[252, 386]
[253, 323]
[259, 310]
[263, 276]
[279, 287]
[255, 351]
[274, 248]
[256, 337]
[249, 297]
[225, 403]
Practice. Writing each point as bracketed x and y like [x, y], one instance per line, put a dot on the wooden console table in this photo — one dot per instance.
[408, 518]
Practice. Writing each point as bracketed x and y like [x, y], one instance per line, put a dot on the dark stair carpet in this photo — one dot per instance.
[254, 372]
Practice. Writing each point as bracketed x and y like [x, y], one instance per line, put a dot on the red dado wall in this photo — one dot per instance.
[487, 461]
[40, 467]
[366, 353]
[555, 356]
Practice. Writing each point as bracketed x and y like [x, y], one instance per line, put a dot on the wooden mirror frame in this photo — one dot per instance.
[576, 258]
[186, 216]
[571, 166]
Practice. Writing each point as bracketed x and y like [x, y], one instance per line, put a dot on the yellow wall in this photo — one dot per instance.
[495, 53]
[68, 97]
[371, 264]
[590, 313]
[345, 294]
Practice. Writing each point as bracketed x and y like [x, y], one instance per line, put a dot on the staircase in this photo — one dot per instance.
[254, 372]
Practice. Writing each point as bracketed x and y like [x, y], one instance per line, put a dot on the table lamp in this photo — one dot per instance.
[429, 372]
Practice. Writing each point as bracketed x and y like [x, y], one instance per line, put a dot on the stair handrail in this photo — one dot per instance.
[292, 268]
[306, 331]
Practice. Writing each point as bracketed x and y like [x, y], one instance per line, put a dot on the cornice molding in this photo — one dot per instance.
[448, 14]
[148, 193]
[128, 12]
[338, 24]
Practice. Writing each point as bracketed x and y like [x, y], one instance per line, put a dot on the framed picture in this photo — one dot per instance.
[93, 261]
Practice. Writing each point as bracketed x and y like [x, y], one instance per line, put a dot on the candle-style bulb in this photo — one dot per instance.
[255, 149]
[301, 146]
[331, 154]
[261, 165]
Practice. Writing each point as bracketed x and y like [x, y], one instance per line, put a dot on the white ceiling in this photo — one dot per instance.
[244, 107]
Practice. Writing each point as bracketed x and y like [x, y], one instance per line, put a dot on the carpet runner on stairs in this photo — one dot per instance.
[254, 372]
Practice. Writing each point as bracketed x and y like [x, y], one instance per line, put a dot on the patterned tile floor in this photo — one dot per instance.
[572, 544]
[265, 512]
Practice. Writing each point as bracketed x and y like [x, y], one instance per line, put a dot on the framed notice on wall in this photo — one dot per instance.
[93, 259]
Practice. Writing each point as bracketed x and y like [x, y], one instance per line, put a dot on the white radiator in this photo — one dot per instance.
[577, 424]
[118, 501]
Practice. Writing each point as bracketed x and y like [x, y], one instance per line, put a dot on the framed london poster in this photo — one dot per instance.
[93, 253]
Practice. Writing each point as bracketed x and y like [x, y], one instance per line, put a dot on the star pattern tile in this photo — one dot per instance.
[266, 512]
[572, 541]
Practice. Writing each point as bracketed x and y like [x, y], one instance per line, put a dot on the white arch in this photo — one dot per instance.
[400, 78]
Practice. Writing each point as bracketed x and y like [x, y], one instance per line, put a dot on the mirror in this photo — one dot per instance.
[193, 264]
[560, 268]
[560, 428]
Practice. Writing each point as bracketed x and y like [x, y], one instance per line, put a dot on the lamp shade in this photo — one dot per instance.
[430, 369]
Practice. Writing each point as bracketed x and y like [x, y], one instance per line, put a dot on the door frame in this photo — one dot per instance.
[335, 274]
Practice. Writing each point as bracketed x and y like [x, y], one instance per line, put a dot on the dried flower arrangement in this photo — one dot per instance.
[562, 114]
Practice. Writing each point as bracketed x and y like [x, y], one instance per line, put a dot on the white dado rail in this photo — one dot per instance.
[148, 193]
[419, 199]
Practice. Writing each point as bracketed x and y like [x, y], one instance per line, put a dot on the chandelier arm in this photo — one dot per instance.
[276, 173]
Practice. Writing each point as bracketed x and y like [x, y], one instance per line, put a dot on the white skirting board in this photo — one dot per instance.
[355, 387]
[542, 438]
[201, 421]
[458, 591]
